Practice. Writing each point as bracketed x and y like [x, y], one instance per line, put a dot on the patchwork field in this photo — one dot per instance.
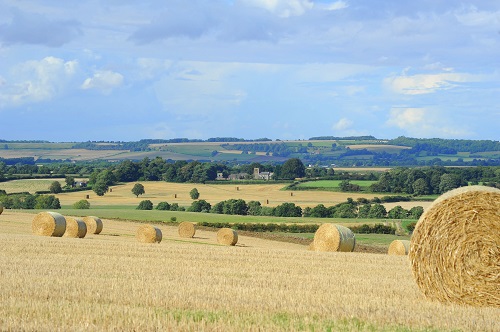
[111, 282]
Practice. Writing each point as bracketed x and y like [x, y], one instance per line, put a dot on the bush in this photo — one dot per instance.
[173, 219]
[375, 229]
[47, 202]
[82, 204]
[410, 227]
[163, 206]
[145, 205]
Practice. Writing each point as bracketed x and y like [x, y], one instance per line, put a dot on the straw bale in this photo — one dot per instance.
[227, 236]
[75, 227]
[148, 234]
[48, 224]
[399, 247]
[332, 237]
[186, 229]
[94, 224]
[455, 247]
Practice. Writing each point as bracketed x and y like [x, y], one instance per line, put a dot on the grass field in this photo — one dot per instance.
[333, 184]
[110, 282]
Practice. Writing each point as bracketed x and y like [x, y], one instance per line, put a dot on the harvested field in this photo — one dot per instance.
[158, 191]
[143, 287]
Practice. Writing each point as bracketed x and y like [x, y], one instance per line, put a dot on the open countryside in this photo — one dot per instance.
[111, 282]
[270, 280]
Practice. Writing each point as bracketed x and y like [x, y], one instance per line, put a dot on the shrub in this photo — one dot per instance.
[194, 194]
[173, 218]
[82, 204]
[145, 205]
[47, 202]
[55, 187]
[410, 227]
[163, 206]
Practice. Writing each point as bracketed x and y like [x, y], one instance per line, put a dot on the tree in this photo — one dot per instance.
[70, 181]
[415, 212]
[145, 205]
[100, 188]
[397, 212]
[138, 189]
[163, 206]
[82, 204]
[46, 202]
[288, 210]
[200, 206]
[194, 194]
[420, 187]
[448, 182]
[377, 211]
[254, 208]
[55, 187]
[292, 168]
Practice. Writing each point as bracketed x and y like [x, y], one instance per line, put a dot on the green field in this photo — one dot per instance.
[333, 184]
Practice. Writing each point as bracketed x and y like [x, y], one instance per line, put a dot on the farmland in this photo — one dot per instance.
[111, 282]
[159, 191]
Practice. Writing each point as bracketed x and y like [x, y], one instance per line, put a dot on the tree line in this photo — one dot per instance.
[434, 180]
[349, 209]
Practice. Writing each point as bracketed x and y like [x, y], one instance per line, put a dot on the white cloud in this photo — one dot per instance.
[426, 83]
[103, 80]
[342, 124]
[35, 81]
[283, 8]
[406, 118]
[423, 122]
[336, 5]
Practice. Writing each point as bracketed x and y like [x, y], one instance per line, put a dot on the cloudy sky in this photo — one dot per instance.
[288, 69]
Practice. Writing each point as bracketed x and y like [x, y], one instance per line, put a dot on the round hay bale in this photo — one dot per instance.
[49, 224]
[186, 229]
[94, 224]
[148, 234]
[1, 208]
[455, 247]
[227, 236]
[331, 237]
[399, 247]
[75, 227]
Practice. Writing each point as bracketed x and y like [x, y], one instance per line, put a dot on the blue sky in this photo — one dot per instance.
[282, 69]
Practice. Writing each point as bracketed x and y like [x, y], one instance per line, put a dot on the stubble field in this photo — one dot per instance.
[111, 282]
[267, 194]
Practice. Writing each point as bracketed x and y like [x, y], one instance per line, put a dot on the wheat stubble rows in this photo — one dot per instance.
[111, 282]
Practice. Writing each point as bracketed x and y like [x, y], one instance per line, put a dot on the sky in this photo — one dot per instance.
[125, 70]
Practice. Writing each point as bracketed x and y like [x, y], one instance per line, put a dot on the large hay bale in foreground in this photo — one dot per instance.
[399, 247]
[455, 247]
[331, 237]
[94, 224]
[186, 229]
[148, 234]
[75, 227]
[48, 224]
[227, 236]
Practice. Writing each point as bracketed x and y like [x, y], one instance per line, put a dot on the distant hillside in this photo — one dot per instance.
[362, 151]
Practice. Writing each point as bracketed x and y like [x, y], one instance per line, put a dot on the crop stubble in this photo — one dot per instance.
[183, 285]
